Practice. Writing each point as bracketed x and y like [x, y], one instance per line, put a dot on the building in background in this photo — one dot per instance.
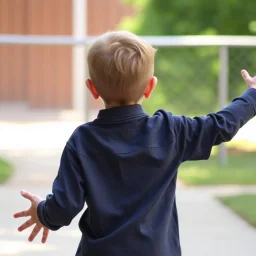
[41, 76]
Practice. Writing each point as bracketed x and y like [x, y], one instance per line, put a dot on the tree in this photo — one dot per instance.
[188, 76]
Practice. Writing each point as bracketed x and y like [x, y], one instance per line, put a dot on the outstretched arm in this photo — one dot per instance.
[196, 136]
[65, 202]
[68, 193]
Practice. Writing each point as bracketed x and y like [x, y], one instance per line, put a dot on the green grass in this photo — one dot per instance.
[240, 168]
[6, 170]
[243, 205]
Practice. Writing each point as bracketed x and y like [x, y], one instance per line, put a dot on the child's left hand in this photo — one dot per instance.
[32, 213]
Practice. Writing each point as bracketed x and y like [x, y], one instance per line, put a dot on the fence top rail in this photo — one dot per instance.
[156, 41]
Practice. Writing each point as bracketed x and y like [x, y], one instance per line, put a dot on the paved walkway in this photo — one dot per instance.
[210, 229]
[207, 228]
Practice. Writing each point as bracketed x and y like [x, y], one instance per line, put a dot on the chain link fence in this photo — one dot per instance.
[189, 78]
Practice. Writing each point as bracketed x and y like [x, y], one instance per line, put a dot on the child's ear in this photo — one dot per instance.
[151, 86]
[92, 89]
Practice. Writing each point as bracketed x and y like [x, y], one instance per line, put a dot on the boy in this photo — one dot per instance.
[124, 164]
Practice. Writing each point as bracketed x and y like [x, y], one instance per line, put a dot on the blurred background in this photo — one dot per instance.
[201, 48]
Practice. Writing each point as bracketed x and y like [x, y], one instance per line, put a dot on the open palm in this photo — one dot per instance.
[32, 213]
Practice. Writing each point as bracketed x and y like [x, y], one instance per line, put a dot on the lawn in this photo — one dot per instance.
[6, 170]
[240, 168]
[243, 205]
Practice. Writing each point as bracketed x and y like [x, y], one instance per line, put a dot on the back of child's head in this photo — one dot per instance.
[120, 65]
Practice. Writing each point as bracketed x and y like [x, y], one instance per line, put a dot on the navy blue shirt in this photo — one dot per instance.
[124, 166]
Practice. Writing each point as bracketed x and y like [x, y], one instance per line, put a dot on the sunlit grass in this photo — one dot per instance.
[240, 168]
[243, 205]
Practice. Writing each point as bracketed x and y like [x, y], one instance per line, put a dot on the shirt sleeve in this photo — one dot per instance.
[68, 193]
[196, 136]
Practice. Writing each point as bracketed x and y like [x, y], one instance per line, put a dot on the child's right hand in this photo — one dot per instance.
[250, 81]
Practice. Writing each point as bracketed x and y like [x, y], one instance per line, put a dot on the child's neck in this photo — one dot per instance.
[116, 105]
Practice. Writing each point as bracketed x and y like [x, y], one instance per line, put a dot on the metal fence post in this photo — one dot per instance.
[79, 63]
[223, 93]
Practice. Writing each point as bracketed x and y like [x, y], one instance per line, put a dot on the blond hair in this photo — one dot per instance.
[120, 65]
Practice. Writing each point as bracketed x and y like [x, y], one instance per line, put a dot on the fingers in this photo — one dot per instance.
[45, 235]
[34, 233]
[21, 214]
[26, 225]
[244, 73]
[247, 78]
[27, 195]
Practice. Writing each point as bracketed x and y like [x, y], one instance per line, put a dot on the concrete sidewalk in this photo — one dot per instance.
[207, 228]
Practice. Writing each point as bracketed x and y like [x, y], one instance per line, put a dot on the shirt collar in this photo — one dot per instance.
[121, 113]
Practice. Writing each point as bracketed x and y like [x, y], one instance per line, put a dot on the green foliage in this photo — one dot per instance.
[188, 77]
[243, 205]
[6, 170]
[185, 17]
